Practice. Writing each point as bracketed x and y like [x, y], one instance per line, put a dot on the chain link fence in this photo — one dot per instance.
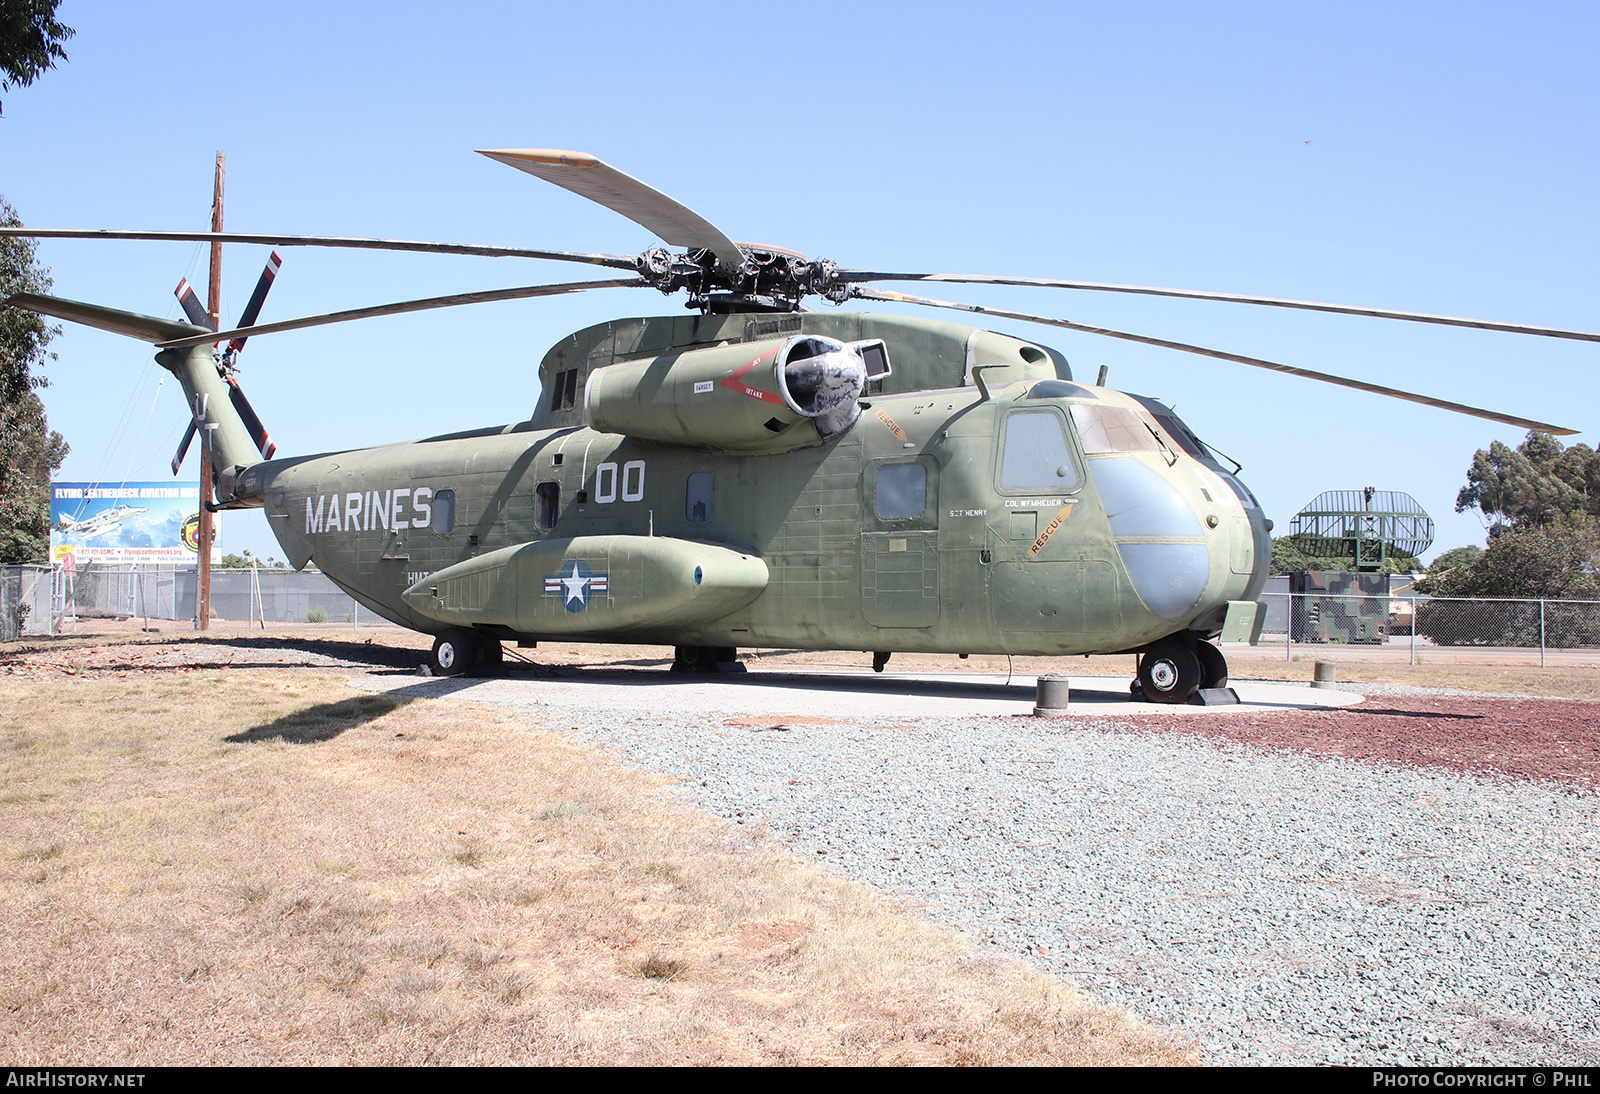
[25, 593]
[1400, 626]
[1410, 627]
[39, 600]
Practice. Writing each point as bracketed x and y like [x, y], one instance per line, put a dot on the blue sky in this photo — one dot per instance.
[1432, 157]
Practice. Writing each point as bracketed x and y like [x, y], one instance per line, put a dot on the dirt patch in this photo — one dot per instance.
[1547, 740]
[213, 852]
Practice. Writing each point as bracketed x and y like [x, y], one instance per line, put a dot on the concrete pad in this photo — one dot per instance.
[828, 692]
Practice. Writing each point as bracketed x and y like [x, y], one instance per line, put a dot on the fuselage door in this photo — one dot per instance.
[1047, 577]
[900, 543]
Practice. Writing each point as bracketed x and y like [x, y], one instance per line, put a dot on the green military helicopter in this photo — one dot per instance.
[761, 474]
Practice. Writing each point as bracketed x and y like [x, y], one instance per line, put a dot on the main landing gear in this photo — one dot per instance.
[706, 659]
[457, 652]
[1175, 668]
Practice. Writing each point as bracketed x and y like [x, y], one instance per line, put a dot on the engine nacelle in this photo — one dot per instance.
[755, 397]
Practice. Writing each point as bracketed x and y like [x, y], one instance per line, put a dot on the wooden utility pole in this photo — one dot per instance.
[214, 305]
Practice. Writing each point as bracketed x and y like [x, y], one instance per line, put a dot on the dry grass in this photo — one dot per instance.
[226, 866]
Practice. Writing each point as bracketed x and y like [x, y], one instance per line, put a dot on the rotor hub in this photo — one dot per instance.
[766, 279]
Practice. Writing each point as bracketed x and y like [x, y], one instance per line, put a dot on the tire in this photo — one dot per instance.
[454, 653]
[702, 659]
[1213, 666]
[1169, 671]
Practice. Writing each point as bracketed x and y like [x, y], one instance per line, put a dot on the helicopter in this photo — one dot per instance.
[760, 473]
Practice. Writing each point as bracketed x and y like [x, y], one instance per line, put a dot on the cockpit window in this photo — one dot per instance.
[1037, 456]
[1181, 434]
[1104, 428]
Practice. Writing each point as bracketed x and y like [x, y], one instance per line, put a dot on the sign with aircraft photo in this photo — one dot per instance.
[126, 522]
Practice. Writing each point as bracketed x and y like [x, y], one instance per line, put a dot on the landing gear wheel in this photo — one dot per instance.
[454, 652]
[704, 658]
[1213, 666]
[1169, 671]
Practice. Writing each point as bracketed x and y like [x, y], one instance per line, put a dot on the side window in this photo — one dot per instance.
[444, 511]
[546, 505]
[697, 500]
[1036, 455]
[901, 491]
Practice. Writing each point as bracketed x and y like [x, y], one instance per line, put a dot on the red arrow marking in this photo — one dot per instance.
[735, 382]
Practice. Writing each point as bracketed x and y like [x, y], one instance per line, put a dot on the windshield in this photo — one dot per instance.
[1174, 427]
[1185, 438]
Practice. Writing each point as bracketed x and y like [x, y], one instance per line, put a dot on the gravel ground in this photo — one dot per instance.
[1284, 907]
[1407, 881]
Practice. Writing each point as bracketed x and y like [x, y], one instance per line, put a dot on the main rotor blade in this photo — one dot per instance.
[252, 309]
[431, 302]
[1228, 298]
[1359, 385]
[672, 222]
[616, 262]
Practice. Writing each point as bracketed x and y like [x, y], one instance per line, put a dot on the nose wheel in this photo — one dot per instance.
[1169, 671]
[1213, 666]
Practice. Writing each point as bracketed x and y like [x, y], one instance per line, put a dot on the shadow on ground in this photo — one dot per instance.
[324, 721]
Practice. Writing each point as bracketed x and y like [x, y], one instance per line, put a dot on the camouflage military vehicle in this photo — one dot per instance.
[1337, 607]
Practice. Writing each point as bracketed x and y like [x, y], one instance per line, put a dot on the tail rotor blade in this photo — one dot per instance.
[192, 307]
[257, 298]
[183, 445]
[252, 421]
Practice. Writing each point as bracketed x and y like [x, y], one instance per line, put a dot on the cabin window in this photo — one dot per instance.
[697, 502]
[547, 505]
[1036, 455]
[1104, 428]
[901, 491]
[444, 511]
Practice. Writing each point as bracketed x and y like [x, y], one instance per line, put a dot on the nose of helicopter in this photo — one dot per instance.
[1181, 533]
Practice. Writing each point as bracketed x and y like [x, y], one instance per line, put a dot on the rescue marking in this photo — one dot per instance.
[892, 425]
[1050, 530]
